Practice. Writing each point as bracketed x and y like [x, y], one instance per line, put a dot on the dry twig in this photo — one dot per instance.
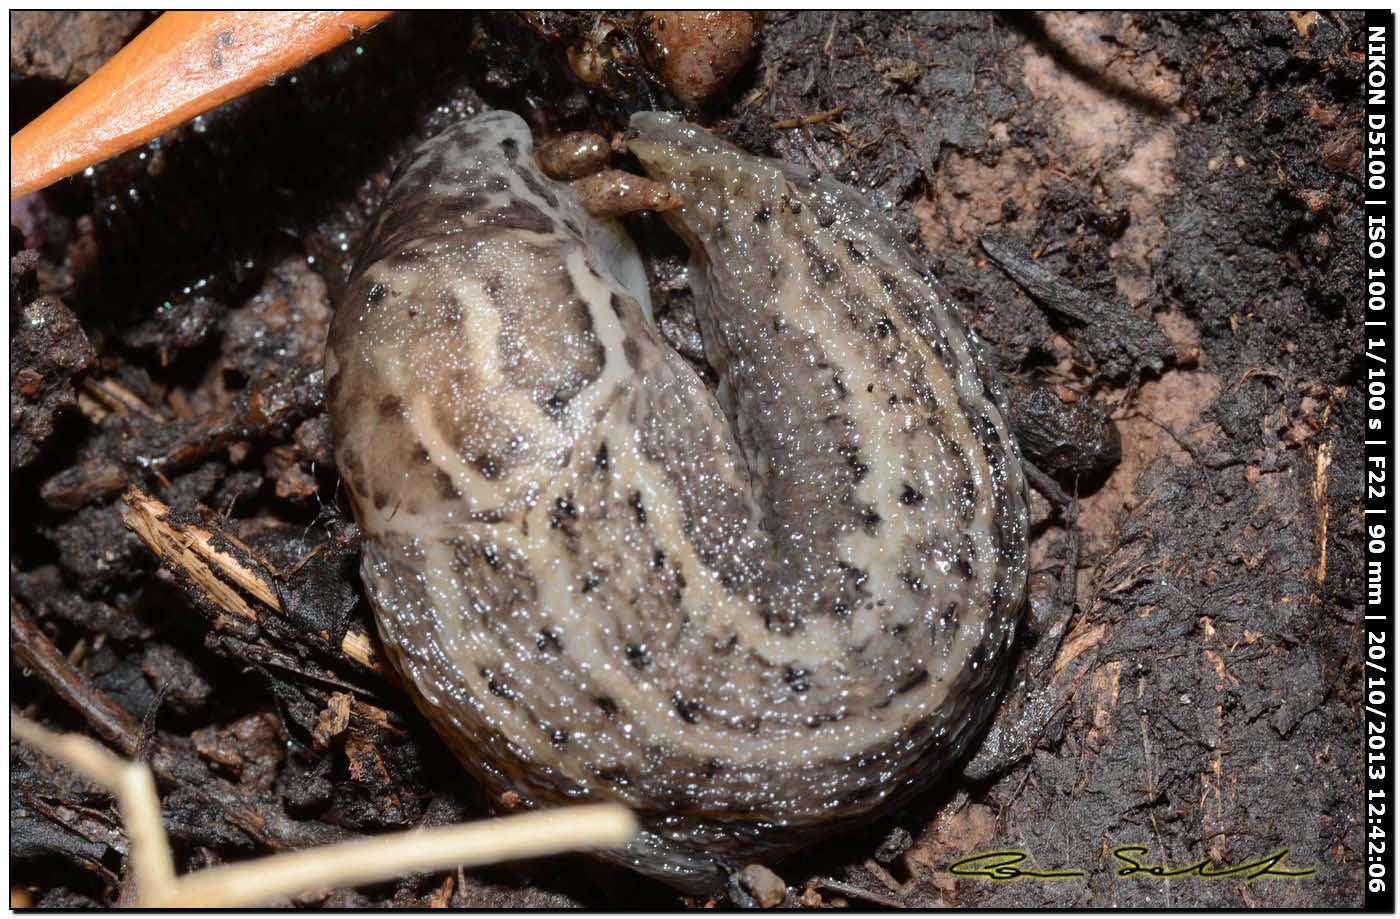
[808, 120]
[134, 789]
[347, 864]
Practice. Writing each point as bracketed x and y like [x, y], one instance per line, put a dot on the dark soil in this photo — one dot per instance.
[1155, 217]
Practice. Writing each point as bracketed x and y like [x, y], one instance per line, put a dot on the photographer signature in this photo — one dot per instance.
[1008, 865]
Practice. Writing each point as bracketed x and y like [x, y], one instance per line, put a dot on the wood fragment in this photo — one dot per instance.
[163, 445]
[117, 398]
[332, 721]
[235, 588]
[34, 651]
[808, 120]
[361, 648]
[860, 893]
[442, 897]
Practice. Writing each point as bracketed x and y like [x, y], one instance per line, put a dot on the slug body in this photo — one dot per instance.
[756, 616]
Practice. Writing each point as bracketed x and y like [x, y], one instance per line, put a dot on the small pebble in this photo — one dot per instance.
[696, 53]
[896, 844]
[765, 886]
[1067, 440]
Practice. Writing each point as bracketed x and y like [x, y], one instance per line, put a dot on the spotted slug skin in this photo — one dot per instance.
[756, 616]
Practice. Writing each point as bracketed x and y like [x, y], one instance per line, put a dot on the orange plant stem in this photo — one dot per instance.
[185, 63]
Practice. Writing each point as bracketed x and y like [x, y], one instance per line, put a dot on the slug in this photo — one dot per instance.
[758, 616]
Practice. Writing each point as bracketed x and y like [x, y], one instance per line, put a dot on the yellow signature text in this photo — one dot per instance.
[1005, 865]
[1131, 861]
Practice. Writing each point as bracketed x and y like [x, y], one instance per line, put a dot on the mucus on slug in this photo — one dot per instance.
[758, 616]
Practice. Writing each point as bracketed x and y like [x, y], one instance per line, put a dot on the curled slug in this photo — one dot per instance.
[757, 616]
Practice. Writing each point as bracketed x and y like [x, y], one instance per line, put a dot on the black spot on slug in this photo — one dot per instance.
[554, 405]
[688, 710]
[489, 467]
[548, 640]
[488, 552]
[563, 510]
[445, 488]
[917, 679]
[615, 776]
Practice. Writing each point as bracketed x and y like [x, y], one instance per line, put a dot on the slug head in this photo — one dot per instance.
[715, 179]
